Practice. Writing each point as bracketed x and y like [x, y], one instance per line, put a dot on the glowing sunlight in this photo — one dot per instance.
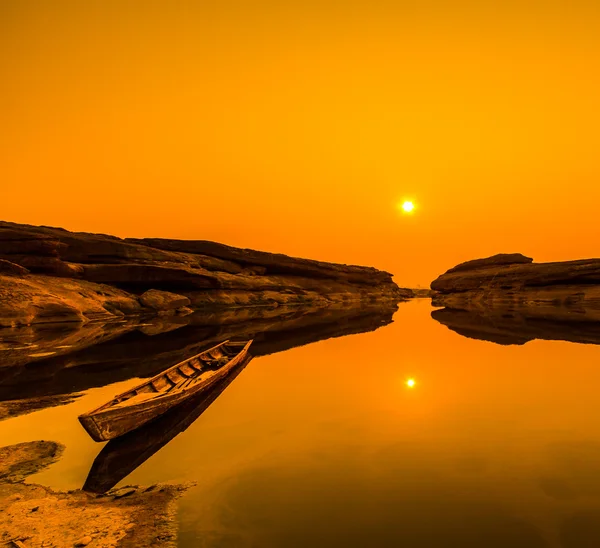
[407, 206]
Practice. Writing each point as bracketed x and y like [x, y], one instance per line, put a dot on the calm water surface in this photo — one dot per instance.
[325, 445]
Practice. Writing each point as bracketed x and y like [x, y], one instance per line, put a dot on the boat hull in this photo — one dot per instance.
[121, 456]
[110, 423]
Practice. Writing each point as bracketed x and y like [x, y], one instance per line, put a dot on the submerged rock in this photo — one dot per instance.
[19, 461]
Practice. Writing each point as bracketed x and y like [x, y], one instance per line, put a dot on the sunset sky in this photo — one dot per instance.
[298, 127]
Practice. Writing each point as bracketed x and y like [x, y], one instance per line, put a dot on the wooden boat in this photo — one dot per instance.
[155, 396]
[121, 456]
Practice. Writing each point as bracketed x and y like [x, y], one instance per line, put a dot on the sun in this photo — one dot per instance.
[410, 383]
[407, 206]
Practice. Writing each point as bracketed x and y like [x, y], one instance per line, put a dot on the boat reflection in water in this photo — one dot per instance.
[123, 455]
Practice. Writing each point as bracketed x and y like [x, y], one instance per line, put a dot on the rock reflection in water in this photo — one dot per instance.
[123, 455]
[141, 351]
[511, 326]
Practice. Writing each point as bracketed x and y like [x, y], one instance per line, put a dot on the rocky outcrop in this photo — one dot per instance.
[11, 269]
[489, 262]
[36, 299]
[271, 263]
[581, 302]
[511, 298]
[516, 272]
[163, 300]
[50, 274]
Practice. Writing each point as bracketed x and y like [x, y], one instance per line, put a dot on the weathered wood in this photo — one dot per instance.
[143, 403]
[119, 457]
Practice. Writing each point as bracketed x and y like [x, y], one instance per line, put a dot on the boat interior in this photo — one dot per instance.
[181, 376]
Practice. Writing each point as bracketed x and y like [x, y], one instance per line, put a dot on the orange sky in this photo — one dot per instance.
[297, 127]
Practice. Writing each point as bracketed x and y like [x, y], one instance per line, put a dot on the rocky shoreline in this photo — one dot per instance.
[36, 516]
[560, 289]
[52, 275]
[509, 299]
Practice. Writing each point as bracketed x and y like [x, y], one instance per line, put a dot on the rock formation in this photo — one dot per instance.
[50, 274]
[515, 281]
[509, 299]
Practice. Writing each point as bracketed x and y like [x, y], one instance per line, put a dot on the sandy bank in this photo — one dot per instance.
[35, 516]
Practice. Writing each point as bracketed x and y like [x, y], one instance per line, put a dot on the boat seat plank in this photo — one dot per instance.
[174, 377]
[187, 370]
[196, 364]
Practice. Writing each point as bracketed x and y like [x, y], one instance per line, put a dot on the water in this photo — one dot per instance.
[326, 445]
